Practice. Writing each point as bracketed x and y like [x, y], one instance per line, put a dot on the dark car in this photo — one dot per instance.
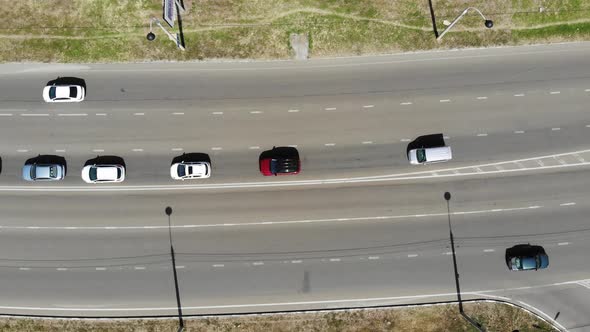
[280, 161]
[526, 257]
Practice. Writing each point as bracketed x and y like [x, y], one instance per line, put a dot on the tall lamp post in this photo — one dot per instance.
[469, 319]
[180, 320]
[487, 23]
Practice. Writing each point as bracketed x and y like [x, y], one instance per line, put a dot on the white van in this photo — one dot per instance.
[430, 155]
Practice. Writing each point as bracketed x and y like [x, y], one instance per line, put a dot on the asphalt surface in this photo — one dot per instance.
[357, 226]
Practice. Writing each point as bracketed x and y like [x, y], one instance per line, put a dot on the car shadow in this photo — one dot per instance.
[105, 160]
[430, 141]
[192, 157]
[48, 159]
[69, 81]
[284, 152]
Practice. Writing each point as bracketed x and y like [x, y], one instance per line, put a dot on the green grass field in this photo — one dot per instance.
[114, 30]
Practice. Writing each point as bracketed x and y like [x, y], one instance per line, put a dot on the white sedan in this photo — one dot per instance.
[190, 170]
[103, 173]
[63, 93]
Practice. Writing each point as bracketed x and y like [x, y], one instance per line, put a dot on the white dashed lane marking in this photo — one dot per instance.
[489, 250]
[22, 150]
[412, 255]
[138, 114]
[216, 148]
[482, 98]
[180, 267]
[405, 140]
[137, 150]
[98, 150]
[555, 92]
[35, 114]
[178, 113]
[139, 268]
[62, 269]
[292, 145]
[329, 144]
[587, 90]
[567, 204]
[254, 147]
[367, 142]
[101, 268]
[482, 135]
[258, 263]
[406, 103]
[72, 114]
[373, 257]
[445, 100]
[60, 150]
[255, 112]
[519, 131]
[555, 129]
[330, 108]
[5, 114]
[217, 113]
[519, 95]
[24, 268]
[334, 259]
[563, 243]
[218, 265]
[298, 261]
[293, 111]
[368, 106]
[100, 114]
[176, 149]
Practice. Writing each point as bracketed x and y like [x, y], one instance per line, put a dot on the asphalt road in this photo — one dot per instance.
[357, 226]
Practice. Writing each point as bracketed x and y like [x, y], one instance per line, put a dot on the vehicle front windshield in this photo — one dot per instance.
[92, 174]
[33, 172]
[421, 155]
[181, 171]
[52, 92]
[73, 91]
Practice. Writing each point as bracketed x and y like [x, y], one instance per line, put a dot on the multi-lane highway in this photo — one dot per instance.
[358, 226]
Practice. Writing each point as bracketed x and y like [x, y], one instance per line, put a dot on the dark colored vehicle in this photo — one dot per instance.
[526, 257]
[280, 161]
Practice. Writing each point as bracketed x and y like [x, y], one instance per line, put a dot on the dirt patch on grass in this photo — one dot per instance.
[443, 318]
[114, 30]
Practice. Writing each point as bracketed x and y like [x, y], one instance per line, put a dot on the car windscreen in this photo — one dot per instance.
[52, 92]
[92, 174]
[421, 155]
[73, 91]
[181, 171]
[118, 173]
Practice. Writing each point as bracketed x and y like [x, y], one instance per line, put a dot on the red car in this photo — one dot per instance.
[280, 161]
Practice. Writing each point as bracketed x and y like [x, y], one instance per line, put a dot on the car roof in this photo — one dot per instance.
[62, 91]
[106, 172]
[42, 171]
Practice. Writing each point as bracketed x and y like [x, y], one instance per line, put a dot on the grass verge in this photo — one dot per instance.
[114, 30]
[443, 318]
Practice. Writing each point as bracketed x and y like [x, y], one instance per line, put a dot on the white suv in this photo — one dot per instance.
[103, 173]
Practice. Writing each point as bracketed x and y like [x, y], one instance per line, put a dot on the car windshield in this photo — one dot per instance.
[52, 92]
[73, 91]
[181, 171]
[33, 172]
[92, 174]
[421, 155]
[118, 173]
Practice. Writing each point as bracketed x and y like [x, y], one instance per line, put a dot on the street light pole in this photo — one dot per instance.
[471, 321]
[180, 320]
[488, 23]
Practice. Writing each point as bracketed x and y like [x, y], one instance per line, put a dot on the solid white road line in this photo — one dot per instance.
[567, 204]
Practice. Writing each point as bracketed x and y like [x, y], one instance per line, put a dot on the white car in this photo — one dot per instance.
[190, 170]
[63, 93]
[103, 173]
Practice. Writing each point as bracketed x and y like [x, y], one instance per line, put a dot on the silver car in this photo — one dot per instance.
[44, 172]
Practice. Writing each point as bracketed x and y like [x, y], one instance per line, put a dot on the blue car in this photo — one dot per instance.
[43, 172]
[524, 257]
